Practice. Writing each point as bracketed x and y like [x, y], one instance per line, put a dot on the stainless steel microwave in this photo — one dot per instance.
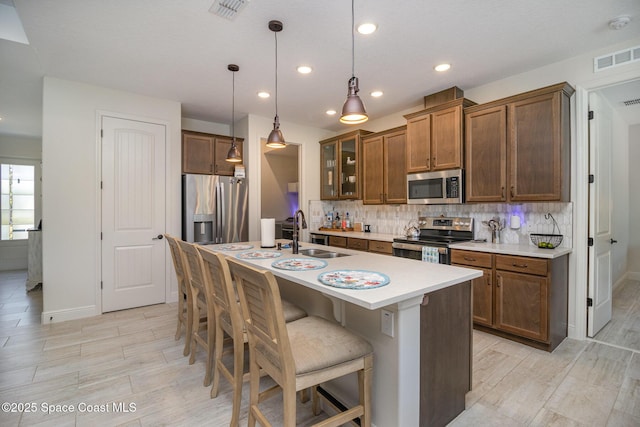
[435, 188]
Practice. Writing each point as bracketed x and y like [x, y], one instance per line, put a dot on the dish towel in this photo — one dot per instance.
[430, 254]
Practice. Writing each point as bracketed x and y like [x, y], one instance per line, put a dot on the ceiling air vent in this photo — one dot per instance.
[631, 102]
[614, 59]
[227, 9]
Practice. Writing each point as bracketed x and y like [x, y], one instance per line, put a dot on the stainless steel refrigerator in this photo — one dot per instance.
[214, 209]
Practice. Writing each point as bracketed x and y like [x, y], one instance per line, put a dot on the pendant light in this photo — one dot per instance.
[233, 155]
[275, 139]
[353, 111]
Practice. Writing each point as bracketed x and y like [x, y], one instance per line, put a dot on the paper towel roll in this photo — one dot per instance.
[515, 222]
[268, 232]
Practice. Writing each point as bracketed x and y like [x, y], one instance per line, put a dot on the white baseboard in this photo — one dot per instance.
[69, 314]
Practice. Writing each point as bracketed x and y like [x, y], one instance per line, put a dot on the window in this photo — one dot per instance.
[17, 200]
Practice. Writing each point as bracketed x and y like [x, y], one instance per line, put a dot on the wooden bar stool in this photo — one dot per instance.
[202, 302]
[299, 354]
[229, 320]
[185, 311]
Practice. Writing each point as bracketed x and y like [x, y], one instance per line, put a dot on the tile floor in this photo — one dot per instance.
[131, 357]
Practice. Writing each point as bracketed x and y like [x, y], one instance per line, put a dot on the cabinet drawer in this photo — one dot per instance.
[359, 244]
[380, 247]
[519, 264]
[475, 259]
[340, 242]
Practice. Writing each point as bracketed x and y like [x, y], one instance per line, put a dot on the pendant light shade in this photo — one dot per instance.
[275, 139]
[233, 155]
[353, 111]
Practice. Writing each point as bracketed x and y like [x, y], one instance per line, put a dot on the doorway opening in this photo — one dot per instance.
[279, 186]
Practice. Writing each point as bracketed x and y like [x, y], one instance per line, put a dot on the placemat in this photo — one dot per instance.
[299, 264]
[354, 279]
[234, 247]
[258, 254]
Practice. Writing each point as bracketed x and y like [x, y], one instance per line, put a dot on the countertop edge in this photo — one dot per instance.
[511, 249]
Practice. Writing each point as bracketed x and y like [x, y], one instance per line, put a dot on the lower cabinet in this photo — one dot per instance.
[376, 246]
[522, 298]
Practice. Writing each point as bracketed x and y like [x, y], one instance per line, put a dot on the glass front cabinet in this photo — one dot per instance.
[341, 166]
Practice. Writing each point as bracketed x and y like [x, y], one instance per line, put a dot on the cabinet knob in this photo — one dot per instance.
[520, 265]
[466, 258]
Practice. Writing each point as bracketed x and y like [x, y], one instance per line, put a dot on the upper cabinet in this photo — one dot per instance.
[340, 166]
[204, 153]
[434, 137]
[518, 148]
[384, 178]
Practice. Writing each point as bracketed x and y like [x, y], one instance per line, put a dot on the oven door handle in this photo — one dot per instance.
[407, 246]
[416, 247]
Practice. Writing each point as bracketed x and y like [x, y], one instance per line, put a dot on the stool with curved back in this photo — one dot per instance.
[229, 320]
[185, 311]
[202, 302]
[299, 354]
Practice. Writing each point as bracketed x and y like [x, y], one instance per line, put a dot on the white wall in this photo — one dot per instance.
[13, 255]
[206, 127]
[633, 257]
[70, 157]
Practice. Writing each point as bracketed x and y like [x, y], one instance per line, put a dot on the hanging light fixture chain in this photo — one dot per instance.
[233, 108]
[275, 34]
[353, 40]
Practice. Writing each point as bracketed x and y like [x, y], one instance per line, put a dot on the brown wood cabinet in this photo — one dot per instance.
[376, 246]
[518, 148]
[384, 174]
[340, 166]
[204, 153]
[527, 300]
[434, 137]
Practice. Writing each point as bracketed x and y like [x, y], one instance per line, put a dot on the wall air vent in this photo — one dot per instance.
[631, 102]
[227, 9]
[615, 59]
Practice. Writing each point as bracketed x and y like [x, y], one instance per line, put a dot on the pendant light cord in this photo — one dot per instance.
[275, 34]
[233, 108]
[353, 42]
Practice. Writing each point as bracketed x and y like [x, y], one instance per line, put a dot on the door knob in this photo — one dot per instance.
[158, 237]
[613, 241]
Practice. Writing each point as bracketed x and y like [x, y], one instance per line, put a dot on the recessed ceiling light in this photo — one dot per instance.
[367, 28]
[442, 67]
[264, 94]
[331, 112]
[304, 69]
[376, 93]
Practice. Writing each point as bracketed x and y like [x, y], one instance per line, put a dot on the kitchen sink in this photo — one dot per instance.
[321, 253]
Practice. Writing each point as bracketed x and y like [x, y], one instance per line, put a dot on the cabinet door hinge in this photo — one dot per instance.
[101, 284]
[101, 185]
[590, 241]
[589, 302]
[101, 133]
[592, 178]
[101, 235]
[590, 115]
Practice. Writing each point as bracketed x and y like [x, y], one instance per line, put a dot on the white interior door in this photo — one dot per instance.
[133, 213]
[600, 214]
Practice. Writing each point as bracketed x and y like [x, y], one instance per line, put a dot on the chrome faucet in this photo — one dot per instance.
[294, 244]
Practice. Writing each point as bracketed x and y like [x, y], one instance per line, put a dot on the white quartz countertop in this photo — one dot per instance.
[408, 278]
[358, 235]
[511, 249]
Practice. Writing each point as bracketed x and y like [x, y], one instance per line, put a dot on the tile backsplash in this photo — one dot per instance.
[392, 219]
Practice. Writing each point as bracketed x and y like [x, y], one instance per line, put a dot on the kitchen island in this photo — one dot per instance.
[422, 360]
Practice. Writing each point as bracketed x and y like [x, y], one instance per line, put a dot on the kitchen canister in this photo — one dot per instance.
[268, 233]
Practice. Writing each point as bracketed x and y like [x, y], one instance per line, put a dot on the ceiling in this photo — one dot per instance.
[178, 50]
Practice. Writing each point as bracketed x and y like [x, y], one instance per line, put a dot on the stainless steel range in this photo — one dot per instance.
[436, 234]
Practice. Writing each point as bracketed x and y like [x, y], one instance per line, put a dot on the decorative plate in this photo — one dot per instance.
[299, 264]
[234, 247]
[354, 279]
[258, 254]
